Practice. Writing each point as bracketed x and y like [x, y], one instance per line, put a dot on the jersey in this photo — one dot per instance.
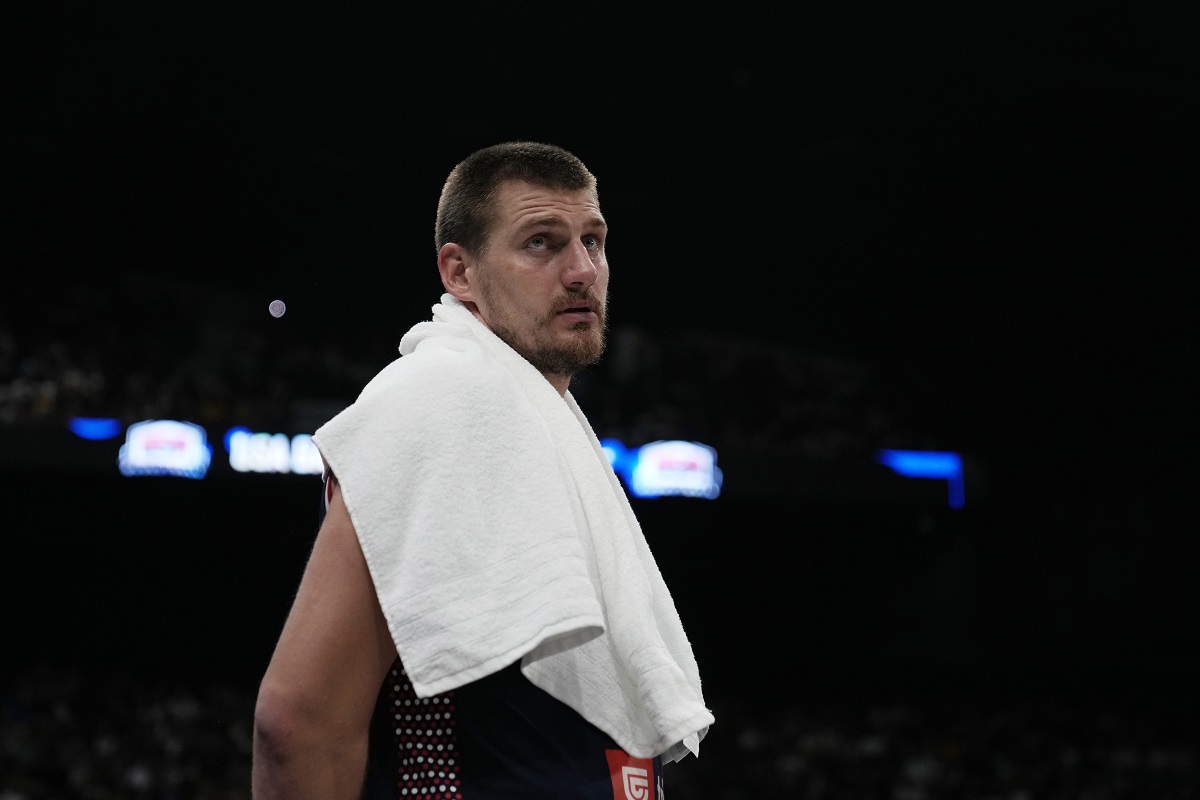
[493, 739]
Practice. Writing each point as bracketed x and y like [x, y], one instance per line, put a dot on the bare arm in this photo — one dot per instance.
[315, 700]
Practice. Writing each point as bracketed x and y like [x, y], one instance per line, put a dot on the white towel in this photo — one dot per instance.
[495, 530]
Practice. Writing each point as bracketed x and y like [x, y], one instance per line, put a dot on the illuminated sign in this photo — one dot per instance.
[165, 447]
[669, 467]
[95, 428]
[929, 464]
[272, 452]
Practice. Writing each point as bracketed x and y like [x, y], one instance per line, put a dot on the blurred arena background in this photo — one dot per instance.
[834, 234]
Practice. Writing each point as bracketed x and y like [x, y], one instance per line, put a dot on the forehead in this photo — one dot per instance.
[520, 204]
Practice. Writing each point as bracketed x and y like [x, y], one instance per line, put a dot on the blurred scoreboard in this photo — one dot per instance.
[667, 468]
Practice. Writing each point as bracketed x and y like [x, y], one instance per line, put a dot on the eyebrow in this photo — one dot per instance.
[558, 222]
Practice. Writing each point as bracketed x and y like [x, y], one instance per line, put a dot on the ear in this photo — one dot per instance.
[453, 262]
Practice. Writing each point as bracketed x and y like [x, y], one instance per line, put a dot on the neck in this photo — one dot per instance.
[559, 381]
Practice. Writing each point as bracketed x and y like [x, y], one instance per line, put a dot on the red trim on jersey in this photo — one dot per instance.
[632, 778]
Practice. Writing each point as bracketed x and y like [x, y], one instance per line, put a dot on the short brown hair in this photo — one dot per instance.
[465, 213]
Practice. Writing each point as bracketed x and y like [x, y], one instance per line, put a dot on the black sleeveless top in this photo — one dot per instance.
[498, 738]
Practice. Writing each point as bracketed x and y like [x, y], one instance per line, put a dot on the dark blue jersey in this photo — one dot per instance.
[497, 738]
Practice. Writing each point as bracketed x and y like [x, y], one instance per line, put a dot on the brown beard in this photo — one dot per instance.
[563, 359]
[560, 358]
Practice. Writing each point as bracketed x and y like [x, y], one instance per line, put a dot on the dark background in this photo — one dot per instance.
[997, 207]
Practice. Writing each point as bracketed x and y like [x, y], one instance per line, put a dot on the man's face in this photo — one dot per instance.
[542, 283]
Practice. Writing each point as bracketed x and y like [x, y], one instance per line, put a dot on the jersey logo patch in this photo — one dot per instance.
[632, 778]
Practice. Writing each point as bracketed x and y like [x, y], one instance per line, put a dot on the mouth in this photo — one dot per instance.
[578, 311]
[577, 315]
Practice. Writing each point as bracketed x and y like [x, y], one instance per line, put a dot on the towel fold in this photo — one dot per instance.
[495, 530]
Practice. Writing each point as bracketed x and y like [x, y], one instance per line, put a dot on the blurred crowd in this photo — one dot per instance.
[66, 733]
[756, 395]
[150, 347]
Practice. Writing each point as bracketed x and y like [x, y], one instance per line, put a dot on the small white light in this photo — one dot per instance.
[277, 308]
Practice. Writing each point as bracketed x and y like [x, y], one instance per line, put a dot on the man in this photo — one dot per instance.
[480, 616]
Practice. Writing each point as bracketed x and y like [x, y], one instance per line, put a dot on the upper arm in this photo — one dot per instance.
[335, 648]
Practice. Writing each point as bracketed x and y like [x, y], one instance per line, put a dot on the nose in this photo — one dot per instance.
[580, 270]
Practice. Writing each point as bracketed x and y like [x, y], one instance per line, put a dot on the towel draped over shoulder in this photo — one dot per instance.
[495, 530]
